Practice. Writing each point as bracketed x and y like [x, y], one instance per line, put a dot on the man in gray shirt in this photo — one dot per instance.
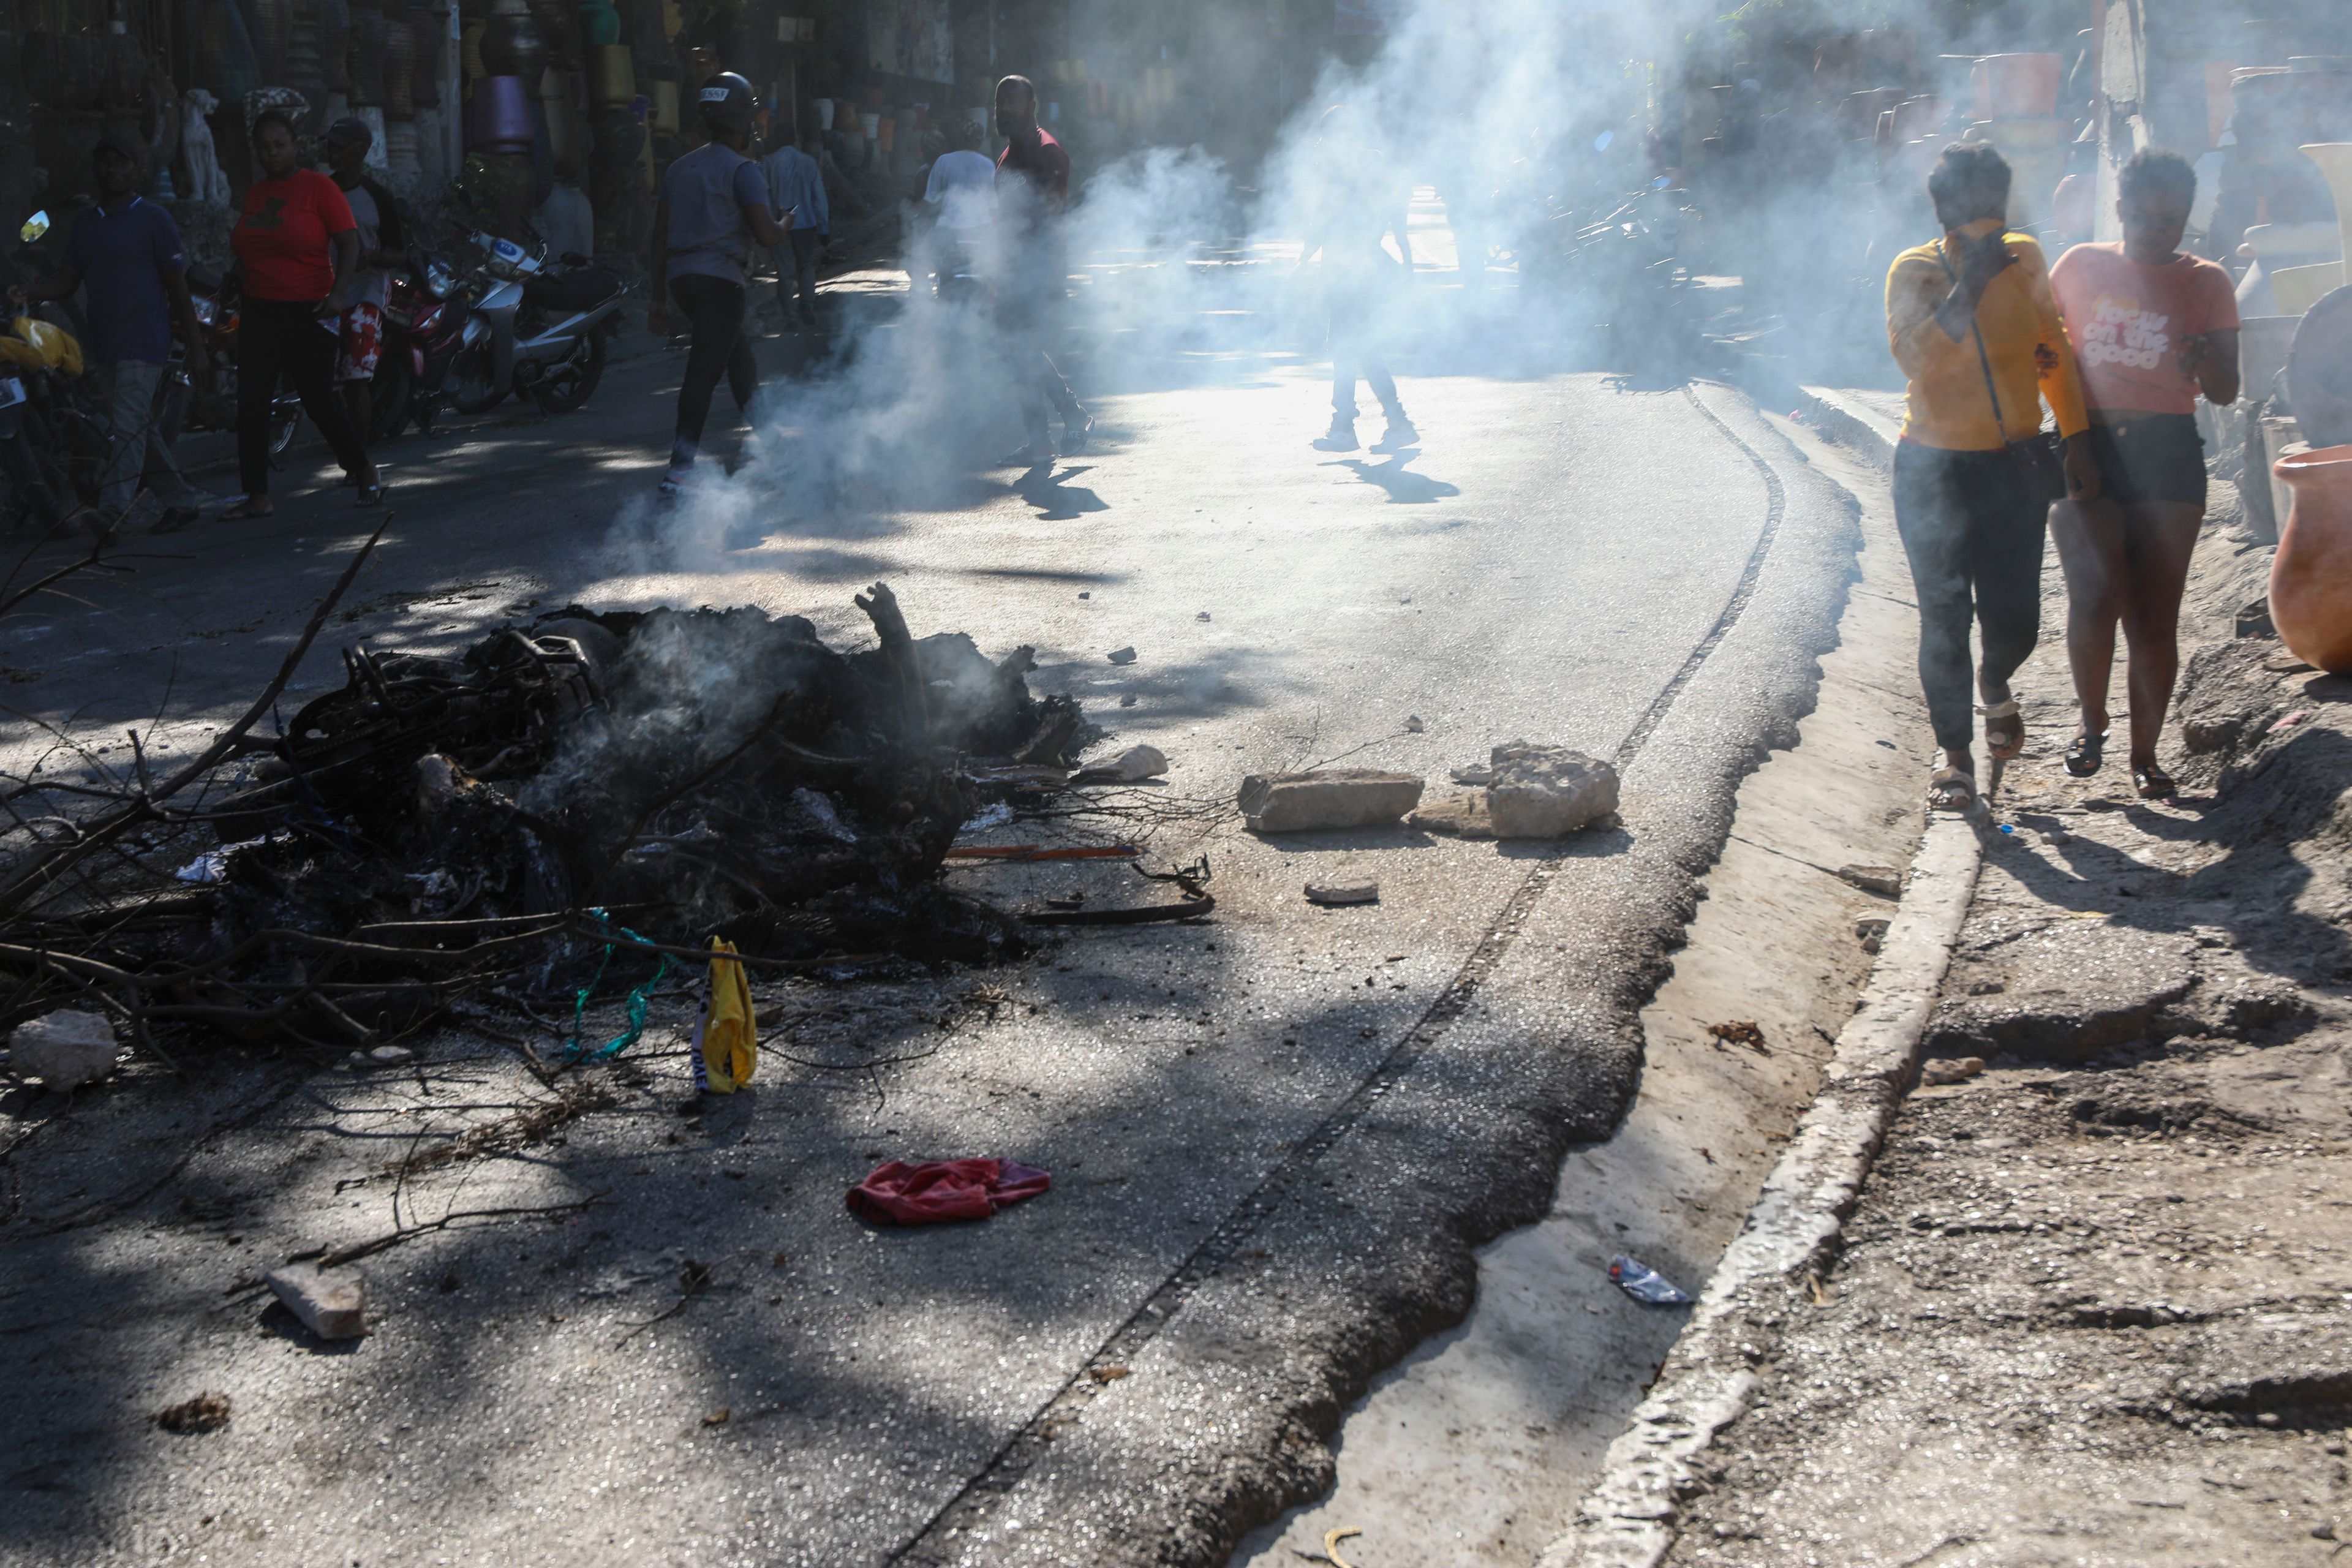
[713, 209]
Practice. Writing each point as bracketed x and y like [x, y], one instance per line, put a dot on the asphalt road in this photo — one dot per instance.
[1274, 1136]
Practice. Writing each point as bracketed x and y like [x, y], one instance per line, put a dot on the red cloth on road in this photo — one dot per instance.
[901, 1194]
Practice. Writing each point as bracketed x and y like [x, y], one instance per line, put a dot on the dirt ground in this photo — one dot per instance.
[2094, 1305]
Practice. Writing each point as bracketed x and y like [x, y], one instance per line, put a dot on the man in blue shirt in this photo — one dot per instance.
[126, 251]
[796, 184]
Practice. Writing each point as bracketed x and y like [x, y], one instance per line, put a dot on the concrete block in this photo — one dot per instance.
[1330, 797]
[332, 1302]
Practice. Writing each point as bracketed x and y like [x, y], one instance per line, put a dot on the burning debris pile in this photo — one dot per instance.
[490, 827]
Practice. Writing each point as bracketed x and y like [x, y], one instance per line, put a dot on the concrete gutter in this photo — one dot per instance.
[1628, 1518]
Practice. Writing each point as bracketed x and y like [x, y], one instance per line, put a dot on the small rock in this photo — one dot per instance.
[1128, 701]
[1413, 726]
[1546, 792]
[391, 1056]
[1141, 763]
[1327, 798]
[1122, 656]
[1477, 773]
[64, 1050]
[1883, 880]
[1871, 930]
[332, 1302]
[1084, 594]
[1202, 617]
[1357, 893]
[1950, 1069]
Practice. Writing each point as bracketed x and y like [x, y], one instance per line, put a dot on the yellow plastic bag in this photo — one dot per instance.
[726, 1036]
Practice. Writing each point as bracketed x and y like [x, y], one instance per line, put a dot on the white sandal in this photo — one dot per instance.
[1949, 789]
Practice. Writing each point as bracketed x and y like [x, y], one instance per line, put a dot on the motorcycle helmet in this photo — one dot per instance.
[727, 103]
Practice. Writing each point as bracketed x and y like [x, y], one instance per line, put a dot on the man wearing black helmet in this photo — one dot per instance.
[713, 209]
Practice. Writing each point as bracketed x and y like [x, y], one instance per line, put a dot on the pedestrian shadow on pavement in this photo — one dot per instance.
[1055, 498]
[1403, 485]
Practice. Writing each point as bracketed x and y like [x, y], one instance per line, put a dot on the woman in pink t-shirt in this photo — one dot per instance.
[2151, 329]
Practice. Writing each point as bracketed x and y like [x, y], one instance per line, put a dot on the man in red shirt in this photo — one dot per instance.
[1033, 187]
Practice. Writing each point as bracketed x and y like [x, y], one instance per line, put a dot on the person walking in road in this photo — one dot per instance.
[1972, 324]
[1033, 189]
[960, 195]
[1355, 201]
[298, 249]
[796, 190]
[382, 246]
[713, 209]
[2153, 328]
[125, 250]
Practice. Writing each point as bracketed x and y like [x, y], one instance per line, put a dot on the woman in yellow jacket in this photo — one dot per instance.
[1972, 324]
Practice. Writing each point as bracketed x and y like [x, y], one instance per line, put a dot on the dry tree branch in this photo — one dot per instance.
[44, 869]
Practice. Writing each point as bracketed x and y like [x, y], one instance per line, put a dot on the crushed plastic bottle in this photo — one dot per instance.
[1644, 1283]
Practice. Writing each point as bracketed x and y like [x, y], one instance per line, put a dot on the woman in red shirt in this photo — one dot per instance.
[298, 249]
[2151, 327]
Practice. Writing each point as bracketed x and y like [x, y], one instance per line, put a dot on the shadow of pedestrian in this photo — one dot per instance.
[1051, 495]
[1404, 487]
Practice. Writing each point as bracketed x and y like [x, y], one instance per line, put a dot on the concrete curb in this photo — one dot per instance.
[1627, 1519]
[1851, 424]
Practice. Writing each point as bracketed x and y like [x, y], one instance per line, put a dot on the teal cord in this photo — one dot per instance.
[639, 998]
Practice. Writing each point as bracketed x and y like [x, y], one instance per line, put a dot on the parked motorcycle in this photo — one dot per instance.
[425, 314]
[51, 447]
[535, 329]
[212, 405]
[53, 443]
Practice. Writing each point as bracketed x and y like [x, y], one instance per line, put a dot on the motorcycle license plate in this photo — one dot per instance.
[12, 392]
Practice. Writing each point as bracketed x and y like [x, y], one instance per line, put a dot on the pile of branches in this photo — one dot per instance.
[578, 793]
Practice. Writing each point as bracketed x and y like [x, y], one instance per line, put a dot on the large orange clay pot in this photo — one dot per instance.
[2311, 576]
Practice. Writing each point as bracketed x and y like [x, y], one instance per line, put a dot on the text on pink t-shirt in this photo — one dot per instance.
[2127, 322]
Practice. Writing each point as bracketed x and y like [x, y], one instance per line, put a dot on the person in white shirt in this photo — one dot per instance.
[961, 197]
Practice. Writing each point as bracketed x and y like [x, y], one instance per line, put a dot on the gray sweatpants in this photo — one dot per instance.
[135, 452]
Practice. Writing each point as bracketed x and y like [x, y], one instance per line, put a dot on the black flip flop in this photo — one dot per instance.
[2152, 782]
[2085, 753]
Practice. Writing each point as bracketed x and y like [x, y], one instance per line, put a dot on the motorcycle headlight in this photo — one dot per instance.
[208, 313]
[439, 281]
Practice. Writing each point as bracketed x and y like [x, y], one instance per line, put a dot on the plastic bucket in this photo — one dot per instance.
[2017, 87]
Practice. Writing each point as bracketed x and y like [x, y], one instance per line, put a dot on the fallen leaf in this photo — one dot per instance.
[205, 1412]
[717, 1417]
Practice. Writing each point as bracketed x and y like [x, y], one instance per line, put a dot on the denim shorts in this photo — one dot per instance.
[2155, 458]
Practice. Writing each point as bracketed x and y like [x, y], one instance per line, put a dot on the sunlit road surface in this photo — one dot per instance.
[1274, 1135]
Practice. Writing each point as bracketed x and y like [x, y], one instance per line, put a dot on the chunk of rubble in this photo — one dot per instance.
[1548, 792]
[1455, 816]
[1340, 894]
[1883, 880]
[64, 1050]
[1326, 798]
[332, 1302]
[1140, 763]
[1951, 1070]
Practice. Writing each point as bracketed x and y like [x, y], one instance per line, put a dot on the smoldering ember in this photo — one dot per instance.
[1012, 783]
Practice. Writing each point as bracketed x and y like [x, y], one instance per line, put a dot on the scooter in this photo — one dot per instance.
[212, 405]
[424, 321]
[534, 330]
